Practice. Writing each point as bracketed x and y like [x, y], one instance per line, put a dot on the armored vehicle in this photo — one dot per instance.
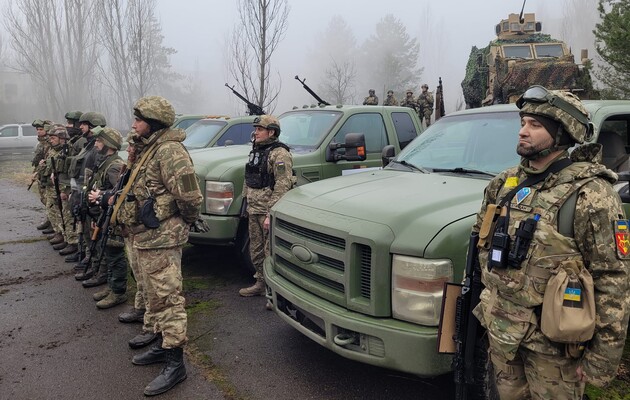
[522, 56]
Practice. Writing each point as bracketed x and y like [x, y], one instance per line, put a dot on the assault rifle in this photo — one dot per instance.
[253, 109]
[103, 227]
[320, 101]
[80, 213]
[439, 100]
[467, 327]
[58, 191]
[31, 184]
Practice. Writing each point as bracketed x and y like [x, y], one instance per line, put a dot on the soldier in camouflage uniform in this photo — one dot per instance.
[409, 101]
[40, 154]
[526, 363]
[390, 100]
[371, 99]
[165, 193]
[113, 268]
[57, 136]
[139, 311]
[425, 105]
[268, 176]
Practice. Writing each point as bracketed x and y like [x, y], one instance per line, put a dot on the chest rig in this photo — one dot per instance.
[257, 175]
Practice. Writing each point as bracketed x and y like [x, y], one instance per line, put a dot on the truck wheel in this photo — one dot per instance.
[242, 247]
[485, 387]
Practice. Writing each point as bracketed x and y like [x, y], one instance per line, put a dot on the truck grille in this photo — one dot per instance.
[338, 271]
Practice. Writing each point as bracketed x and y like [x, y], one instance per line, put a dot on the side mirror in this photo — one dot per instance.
[387, 154]
[228, 142]
[354, 146]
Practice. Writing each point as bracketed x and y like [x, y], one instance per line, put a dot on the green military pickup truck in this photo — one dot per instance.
[321, 139]
[358, 263]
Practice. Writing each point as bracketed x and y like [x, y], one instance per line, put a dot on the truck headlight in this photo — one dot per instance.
[417, 285]
[219, 197]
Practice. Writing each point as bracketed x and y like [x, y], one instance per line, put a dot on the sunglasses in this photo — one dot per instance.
[538, 94]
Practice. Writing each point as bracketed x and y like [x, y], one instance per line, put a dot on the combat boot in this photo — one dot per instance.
[61, 245]
[50, 236]
[83, 276]
[74, 257]
[135, 315]
[48, 231]
[142, 339]
[101, 294]
[112, 300]
[69, 249]
[58, 238]
[258, 289]
[99, 277]
[155, 354]
[44, 225]
[173, 373]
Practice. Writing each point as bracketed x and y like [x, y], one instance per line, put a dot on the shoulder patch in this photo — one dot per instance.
[511, 182]
[622, 239]
[189, 182]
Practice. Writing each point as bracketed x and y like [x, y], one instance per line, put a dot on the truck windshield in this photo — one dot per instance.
[484, 142]
[548, 50]
[303, 130]
[199, 134]
[520, 51]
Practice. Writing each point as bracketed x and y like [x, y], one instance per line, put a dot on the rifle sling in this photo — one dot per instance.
[136, 168]
[531, 180]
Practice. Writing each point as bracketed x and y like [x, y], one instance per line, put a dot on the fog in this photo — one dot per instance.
[199, 29]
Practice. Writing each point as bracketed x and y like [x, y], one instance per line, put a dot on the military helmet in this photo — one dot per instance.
[409, 91]
[58, 130]
[155, 108]
[47, 125]
[93, 118]
[110, 137]
[372, 91]
[73, 115]
[561, 106]
[424, 85]
[38, 123]
[390, 92]
[268, 122]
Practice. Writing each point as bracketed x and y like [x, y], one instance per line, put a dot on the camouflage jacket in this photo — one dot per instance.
[390, 101]
[370, 101]
[40, 151]
[56, 154]
[107, 173]
[280, 165]
[169, 177]
[598, 206]
[425, 101]
[409, 102]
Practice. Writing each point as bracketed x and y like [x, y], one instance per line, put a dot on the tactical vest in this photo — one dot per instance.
[100, 180]
[76, 165]
[513, 294]
[257, 175]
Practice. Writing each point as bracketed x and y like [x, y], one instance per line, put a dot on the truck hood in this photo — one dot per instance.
[420, 207]
[214, 162]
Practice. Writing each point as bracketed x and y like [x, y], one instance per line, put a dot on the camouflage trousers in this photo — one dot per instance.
[52, 210]
[42, 193]
[116, 268]
[258, 243]
[139, 301]
[162, 275]
[425, 116]
[70, 233]
[533, 375]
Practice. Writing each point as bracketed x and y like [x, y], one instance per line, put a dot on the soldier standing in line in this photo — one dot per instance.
[164, 188]
[371, 99]
[125, 214]
[268, 176]
[390, 100]
[75, 145]
[409, 101]
[514, 304]
[425, 105]
[113, 268]
[81, 167]
[40, 154]
[57, 136]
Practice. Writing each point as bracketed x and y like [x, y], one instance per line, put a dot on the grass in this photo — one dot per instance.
[619, 388]
[18, 171]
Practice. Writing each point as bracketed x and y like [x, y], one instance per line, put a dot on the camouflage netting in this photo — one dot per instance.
[476, 79]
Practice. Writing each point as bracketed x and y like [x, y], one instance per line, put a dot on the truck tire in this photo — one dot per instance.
[242, 247]
[485, 386]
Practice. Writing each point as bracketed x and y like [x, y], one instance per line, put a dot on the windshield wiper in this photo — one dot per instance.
[460, 170]
[409, 165]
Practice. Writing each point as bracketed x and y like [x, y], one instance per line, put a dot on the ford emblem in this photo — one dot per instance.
[303, 254]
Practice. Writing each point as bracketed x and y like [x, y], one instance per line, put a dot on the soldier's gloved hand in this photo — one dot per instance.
[199, 226]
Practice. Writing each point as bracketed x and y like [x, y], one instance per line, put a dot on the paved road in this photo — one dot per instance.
[55, 344]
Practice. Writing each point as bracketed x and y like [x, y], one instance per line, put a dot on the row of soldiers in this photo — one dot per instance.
[108, 215]
[423, 104]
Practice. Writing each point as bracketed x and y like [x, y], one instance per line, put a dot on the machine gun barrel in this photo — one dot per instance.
[320, 101]
[253, 109]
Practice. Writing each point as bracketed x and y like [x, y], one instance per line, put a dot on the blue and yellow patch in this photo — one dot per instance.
[511, 182]
[573, 294]
[622, 238]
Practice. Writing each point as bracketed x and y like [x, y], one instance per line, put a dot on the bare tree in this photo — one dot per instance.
[136, 62]
[262, 25]
[339, 82]
[54, 46]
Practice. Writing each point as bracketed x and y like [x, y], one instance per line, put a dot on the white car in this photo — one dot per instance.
[17, 138]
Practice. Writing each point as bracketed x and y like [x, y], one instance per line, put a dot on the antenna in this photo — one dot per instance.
[520, 17]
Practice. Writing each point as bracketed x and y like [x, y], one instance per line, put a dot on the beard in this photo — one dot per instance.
[530, 151]
[103, 151]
